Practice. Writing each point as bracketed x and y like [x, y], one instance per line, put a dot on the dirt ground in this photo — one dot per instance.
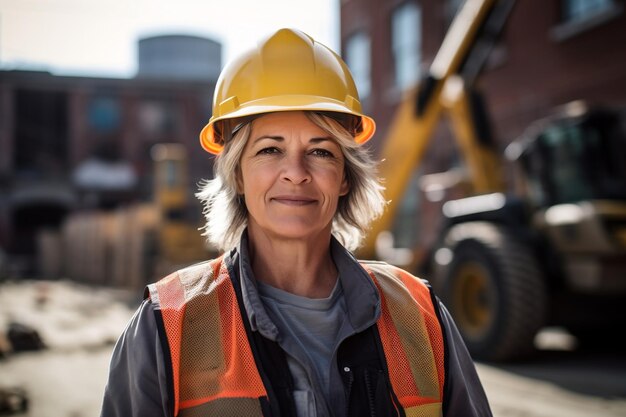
[80, 324]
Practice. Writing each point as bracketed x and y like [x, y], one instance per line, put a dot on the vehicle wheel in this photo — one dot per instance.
[491, 284]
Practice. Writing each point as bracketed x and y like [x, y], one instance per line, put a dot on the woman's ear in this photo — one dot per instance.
[239, 181]
[345, 186]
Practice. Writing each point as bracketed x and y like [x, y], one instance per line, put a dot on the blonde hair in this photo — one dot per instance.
[226, 213]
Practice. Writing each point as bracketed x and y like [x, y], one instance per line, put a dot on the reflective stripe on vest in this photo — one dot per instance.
[214, 372]
[412, 340]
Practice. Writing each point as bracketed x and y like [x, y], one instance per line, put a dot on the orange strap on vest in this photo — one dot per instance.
[214, 371]
[212, 362]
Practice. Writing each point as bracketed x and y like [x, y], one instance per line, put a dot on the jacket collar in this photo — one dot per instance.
[361, 295]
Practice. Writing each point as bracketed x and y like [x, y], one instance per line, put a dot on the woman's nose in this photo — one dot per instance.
[295, 170]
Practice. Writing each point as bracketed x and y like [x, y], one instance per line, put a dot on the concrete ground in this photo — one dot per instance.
[563, 388]
[80, 324]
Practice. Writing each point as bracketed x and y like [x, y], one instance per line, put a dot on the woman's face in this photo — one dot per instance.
[292, 175]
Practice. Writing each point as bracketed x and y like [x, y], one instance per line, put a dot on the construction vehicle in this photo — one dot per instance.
[133, 245]
[507, 264]
[179, 238]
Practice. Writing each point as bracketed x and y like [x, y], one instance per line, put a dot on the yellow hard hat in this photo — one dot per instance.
[287, 71]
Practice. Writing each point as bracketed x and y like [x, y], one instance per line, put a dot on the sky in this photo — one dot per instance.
[99, 37]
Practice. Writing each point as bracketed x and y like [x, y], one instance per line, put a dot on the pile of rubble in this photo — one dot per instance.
[17, 338]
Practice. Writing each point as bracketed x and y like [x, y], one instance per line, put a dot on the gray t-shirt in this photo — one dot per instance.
[314, 324]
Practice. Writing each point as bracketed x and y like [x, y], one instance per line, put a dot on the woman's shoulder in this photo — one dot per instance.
[198, 271]
[386, 268]
[192, 278]
[391, 273]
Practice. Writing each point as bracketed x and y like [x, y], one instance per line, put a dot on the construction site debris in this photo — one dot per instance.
[24, 338]
[13, 400]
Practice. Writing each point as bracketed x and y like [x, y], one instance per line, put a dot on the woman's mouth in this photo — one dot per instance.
[292, 200]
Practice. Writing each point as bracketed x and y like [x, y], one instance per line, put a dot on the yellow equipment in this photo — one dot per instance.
[507, 265]
[443, 92]
[179, 240]
[137, 244]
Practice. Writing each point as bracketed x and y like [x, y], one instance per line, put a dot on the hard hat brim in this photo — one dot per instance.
[287, 103]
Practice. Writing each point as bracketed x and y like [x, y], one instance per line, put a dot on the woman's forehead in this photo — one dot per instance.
[288, 125]
[286, 119]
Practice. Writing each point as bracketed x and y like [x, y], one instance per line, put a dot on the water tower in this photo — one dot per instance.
[180, 57]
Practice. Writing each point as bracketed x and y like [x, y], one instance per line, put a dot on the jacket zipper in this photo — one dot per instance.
[370, 394]
[348, 388]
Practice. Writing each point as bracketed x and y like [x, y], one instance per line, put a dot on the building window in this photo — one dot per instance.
[576, 10]
[41, 133]
[158, 117]
[358, 58]
[104, 114]
[578, 16]
[406, 44]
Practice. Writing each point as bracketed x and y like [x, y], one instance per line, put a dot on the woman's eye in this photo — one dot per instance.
[268, 151]
[323, 153]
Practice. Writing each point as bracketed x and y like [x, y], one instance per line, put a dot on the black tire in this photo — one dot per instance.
[495, 291]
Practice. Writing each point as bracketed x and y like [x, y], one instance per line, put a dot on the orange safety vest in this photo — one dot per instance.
[214, 371]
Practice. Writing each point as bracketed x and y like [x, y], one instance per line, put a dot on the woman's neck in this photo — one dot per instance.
[301, 267]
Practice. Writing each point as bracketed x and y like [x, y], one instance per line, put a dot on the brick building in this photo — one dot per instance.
[549, 53]
[77, 143]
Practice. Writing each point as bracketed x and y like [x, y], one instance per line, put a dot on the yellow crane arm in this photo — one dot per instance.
[405, 144]
[412, 126]
[481, 159]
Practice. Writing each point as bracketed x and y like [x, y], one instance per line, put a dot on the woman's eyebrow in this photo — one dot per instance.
[271, 137]
[321, 139]
[313, 140]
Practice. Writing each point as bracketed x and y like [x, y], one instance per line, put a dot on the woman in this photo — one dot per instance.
[287, 322]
